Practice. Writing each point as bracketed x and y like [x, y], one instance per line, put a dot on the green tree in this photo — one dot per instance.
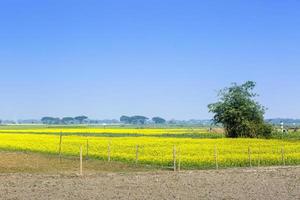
[239, 112]
[125, 119]
[158, 120]
[81, 119]
[50, 120]
[67, 120]
[137, 119]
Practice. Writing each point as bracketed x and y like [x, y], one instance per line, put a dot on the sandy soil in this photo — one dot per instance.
[18, 162]
[262, 183]
[36, 176]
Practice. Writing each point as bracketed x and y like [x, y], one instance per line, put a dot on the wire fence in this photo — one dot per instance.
[177, 156]
[170, 154]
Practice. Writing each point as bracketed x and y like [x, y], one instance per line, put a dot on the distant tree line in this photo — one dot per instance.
[137, 119]
[65, 120]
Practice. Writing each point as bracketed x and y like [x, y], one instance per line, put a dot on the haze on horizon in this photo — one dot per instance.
[167, 58]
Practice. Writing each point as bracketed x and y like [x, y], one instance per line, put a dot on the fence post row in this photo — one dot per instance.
[176, 155]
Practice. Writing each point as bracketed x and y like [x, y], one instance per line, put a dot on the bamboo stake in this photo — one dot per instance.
[136, 154]
[259, 156]
[249, 156]
[179, 159]
[87, 150]
[80, 170]
[216, 157]
[282, 155]
[174, 158]
[108, 152]
[60, 144]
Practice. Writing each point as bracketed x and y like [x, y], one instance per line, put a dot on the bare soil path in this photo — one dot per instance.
[256, 183]
[262, 183]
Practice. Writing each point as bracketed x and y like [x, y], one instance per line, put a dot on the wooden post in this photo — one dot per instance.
[80, 160]
[179, 159]
[174, 158]
[60, 143]
[87, 150]
[249, 156]
[108, 152]
[282, 155]
[162, 159]
[216, 157]
[137, 154]
[259, 156]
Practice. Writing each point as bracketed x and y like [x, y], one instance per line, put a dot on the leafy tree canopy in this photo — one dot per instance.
[239, 112]
[125, 119]
[81, 119]
[50, 120]
[134, 119]
[67, 120]
[158, 120]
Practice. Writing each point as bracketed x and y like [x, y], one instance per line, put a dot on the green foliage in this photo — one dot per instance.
[134, 119]
[265, 130]
[239, 113]
[67, 120]
[64, 120]
[50, 120]
[125, 119]
[81, 119]
[158, 120]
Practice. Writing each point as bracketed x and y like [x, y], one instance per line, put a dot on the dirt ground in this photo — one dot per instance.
[255, 183]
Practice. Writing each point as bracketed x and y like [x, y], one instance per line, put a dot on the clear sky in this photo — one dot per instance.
[106, 58]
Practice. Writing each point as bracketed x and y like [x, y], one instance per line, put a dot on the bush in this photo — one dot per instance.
[250, 129]
[265, 130]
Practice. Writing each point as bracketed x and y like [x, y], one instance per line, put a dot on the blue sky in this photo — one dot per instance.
[166, 58]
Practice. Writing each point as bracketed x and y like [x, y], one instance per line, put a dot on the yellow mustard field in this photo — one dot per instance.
[191, 153]
[142, 131]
